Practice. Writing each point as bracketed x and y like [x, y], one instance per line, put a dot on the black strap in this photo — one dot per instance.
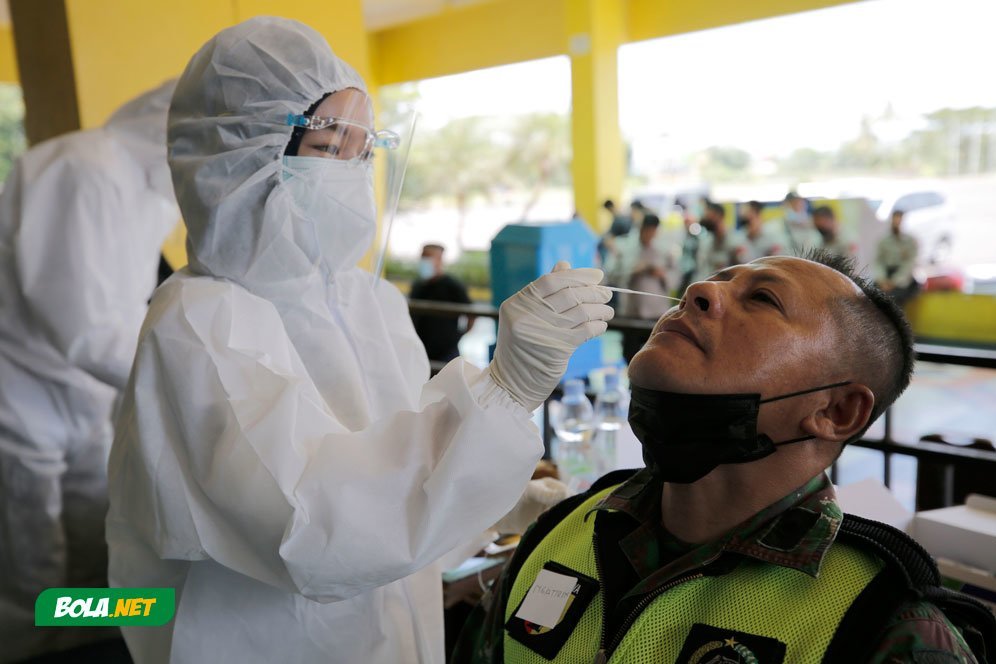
[909, 574]
[895, 548]
[861, 629]
[806, 391]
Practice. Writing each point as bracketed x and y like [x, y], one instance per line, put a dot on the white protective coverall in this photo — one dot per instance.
[282, 459]
[82, 219]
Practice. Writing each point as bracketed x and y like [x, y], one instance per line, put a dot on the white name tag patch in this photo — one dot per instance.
[547, 598]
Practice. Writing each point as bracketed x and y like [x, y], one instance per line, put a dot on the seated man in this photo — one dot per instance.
[730, 545]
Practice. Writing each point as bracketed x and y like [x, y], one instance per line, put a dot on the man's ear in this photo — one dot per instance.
[843, 416]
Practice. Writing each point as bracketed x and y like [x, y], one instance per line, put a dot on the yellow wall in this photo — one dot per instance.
[954, 317]
[121, 47]
[8, 60]
[477, 36]
[143, 43]
[651, 19]
[499, 32]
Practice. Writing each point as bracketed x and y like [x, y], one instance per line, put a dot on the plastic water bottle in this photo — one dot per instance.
[572, 419]
[611, 414]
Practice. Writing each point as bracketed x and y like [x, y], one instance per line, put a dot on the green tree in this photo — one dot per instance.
[538, 154]
[964, 139]
[724, 163]
[458, 161]
[805, 163]
[12, 141]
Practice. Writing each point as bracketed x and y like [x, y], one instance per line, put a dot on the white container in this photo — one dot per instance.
[965, 534]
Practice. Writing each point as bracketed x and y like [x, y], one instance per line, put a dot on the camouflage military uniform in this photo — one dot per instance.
[917, 632]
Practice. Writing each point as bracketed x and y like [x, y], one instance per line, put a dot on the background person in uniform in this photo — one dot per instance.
[645, 266]
[726, 545]
[895, 259]
[619, 226]
[828, 227]
[82, 219]
[717, 248]
[797, 226]
[753, 240]
[439, 334]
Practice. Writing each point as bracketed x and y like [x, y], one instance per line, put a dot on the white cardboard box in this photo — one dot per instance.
[965, 534]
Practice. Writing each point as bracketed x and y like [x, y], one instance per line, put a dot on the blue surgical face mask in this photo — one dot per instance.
[426, 269]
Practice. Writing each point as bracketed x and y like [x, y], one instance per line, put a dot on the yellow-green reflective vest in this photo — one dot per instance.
[756, 598]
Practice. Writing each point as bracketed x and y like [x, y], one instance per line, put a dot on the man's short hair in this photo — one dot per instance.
[792, 196]
[609, 204]
[438, 248]
[756, 206]
[879, 346]
[717, 208]
[637, 205]
[650, 221]
[824, 211]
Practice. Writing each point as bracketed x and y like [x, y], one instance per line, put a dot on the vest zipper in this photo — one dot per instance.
[603, 654]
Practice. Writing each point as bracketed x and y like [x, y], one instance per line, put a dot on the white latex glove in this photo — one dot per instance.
[540, 327]
[539, 496]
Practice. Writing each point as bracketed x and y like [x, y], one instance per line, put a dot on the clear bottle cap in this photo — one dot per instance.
[574, 387]
[611, 380]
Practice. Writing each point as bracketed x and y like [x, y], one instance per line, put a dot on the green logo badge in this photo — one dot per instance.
[100, 607]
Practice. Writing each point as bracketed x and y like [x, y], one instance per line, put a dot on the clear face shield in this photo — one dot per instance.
[340, 195]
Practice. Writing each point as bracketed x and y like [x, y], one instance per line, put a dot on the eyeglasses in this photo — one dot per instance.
[346, 140]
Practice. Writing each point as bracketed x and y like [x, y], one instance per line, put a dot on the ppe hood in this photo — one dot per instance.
[227, 134]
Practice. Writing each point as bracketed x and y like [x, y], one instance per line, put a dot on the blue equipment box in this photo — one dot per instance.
[523, 252]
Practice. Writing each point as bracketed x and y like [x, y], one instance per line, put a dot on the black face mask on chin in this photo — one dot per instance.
[685, 436]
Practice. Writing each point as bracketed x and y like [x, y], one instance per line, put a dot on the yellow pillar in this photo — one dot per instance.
[8, 61]
[595, 32]
[44, 58]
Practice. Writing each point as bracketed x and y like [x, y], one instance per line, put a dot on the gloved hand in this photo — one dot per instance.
[539, 496]
[540, 327]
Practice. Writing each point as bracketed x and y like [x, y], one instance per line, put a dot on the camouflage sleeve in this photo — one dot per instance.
[920, 633]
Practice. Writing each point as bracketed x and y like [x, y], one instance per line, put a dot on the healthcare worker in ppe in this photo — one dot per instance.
[82, 219]
[282, 459]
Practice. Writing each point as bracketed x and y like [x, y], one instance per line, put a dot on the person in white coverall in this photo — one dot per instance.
[82, 220]
[282, 459]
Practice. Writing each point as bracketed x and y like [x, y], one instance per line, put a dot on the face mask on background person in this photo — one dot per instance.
[426, 269]
[337, 199]
[686, 436]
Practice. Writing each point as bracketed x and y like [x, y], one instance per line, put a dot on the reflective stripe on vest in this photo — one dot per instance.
[756, 597]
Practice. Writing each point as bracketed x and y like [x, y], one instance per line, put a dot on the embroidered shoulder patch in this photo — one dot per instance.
[706, 644]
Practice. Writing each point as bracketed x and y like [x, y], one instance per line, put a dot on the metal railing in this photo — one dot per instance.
[953, 456]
